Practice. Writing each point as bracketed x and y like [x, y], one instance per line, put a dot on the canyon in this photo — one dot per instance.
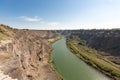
[24, 54]
[27, 54]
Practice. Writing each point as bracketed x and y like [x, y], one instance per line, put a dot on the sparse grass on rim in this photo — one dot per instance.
[96, 60]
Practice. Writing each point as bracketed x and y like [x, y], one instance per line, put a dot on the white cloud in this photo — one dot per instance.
[43, 25]
[29, 19]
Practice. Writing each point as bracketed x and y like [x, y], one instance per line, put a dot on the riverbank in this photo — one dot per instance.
[24, 54]
[52, 40]
[50, 59]
[91, 57]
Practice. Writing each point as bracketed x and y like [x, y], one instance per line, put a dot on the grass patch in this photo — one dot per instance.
[5, 32]
[50, 58]
[50, 61]
[96, 60]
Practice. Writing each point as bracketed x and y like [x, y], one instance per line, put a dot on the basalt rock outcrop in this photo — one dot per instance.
[24, 54]
[107, 41]
[103, 40]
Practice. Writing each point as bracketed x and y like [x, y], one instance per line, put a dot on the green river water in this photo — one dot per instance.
[71, 67]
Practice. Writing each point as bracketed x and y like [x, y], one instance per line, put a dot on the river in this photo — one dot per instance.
[71, 67]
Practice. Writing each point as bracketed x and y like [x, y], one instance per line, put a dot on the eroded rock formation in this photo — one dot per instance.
[24, 56]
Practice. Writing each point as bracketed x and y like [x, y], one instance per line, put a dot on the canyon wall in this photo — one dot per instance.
[103, 40]
[24, 54]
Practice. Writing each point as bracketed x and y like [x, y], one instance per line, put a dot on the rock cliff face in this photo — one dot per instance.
[104, 40]
[24, 55]
[107, 41]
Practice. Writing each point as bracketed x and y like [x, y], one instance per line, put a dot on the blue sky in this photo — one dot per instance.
[60, 14]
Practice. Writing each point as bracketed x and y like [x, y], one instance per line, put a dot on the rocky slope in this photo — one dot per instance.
[104, 40]
[24, 54]
[5, 77]
[107, 41]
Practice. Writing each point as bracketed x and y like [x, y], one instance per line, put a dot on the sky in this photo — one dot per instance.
[60, 14]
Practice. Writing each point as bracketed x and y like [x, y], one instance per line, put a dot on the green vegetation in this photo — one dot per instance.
[5, 32]
[102, 39]
[50, 58]
[96, 60]
[50, 61]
